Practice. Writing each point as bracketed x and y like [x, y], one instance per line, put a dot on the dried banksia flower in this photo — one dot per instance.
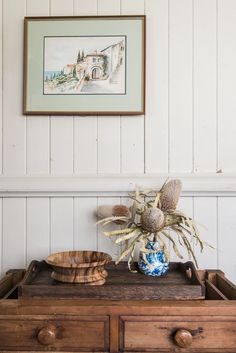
[170, 194]
[121, 211]
[105, 211]
[152, 219]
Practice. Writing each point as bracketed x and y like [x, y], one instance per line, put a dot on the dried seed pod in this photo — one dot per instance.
[105, 211]
[170, 194]
[121, 211]
[152, 219]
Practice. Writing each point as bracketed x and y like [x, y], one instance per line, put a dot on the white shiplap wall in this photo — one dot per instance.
[189, 129]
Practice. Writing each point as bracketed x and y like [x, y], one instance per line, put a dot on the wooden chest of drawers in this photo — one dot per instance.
[36, 325]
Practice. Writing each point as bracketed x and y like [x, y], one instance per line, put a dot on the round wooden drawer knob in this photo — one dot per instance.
[47, 335]
[183, 338]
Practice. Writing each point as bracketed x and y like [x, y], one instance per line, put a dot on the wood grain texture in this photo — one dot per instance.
[73, 334]
[190, 96]
[120, 283]
[86, 267]
[158, 333]
[183, 338]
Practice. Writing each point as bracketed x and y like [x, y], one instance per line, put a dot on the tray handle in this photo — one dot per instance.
[32, 270]
[191, 272]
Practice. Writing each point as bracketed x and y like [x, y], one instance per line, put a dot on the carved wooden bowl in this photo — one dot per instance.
[85, 267]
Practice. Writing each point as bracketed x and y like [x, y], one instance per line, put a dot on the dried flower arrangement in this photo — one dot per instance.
[152, 219]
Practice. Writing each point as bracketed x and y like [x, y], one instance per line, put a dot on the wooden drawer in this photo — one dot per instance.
[28, 333]
[148, 333]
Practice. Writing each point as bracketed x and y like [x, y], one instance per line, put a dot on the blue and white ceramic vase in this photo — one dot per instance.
[152, 262]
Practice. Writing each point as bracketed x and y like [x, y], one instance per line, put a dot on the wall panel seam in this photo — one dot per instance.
[217, 85]
[168, 79]
[2, 91]
[193, 90]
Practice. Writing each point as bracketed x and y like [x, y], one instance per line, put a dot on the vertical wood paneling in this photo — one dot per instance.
[226, 85]
[180, 85]
[109, 126]
[61, 232]
[156, 119]
[14, 233]
[85, 145]
[205, 216]
[85, 229]
[38, 228]
[37, 127]
[61, 145]
[85, 128]
[133, 7]
[62, 134]
[85, 8]
[109, 144]
[204, 94]
[1, 91]
[105, 243]
[1, 237]
[132, 127]
[226, 236]
[14, 126]
[108, 7]
[183, 113]
[185, 205]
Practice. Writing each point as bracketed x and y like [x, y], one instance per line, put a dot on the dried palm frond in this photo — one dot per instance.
[151, 220]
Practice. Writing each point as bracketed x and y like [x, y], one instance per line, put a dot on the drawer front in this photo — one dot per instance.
[79, 333]
[177, 333]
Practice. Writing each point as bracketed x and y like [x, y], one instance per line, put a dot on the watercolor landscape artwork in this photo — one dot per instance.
[84, 65]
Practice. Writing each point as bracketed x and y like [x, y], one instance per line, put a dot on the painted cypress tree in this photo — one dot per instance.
[74, 71]
[78, 57]
[82, 57]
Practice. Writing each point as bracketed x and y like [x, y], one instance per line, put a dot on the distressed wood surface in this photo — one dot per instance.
[189, 126]
[120, 284]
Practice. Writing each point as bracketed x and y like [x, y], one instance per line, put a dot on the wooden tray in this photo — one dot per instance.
[180, 283]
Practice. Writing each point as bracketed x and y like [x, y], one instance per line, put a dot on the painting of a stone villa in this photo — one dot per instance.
[84, 65]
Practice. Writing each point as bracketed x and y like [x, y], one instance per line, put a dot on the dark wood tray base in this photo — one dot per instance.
[180, 283]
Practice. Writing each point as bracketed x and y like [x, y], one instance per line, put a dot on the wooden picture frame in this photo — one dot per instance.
[92, 65]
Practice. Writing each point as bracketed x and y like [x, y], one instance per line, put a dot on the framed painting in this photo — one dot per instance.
[84, 65]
